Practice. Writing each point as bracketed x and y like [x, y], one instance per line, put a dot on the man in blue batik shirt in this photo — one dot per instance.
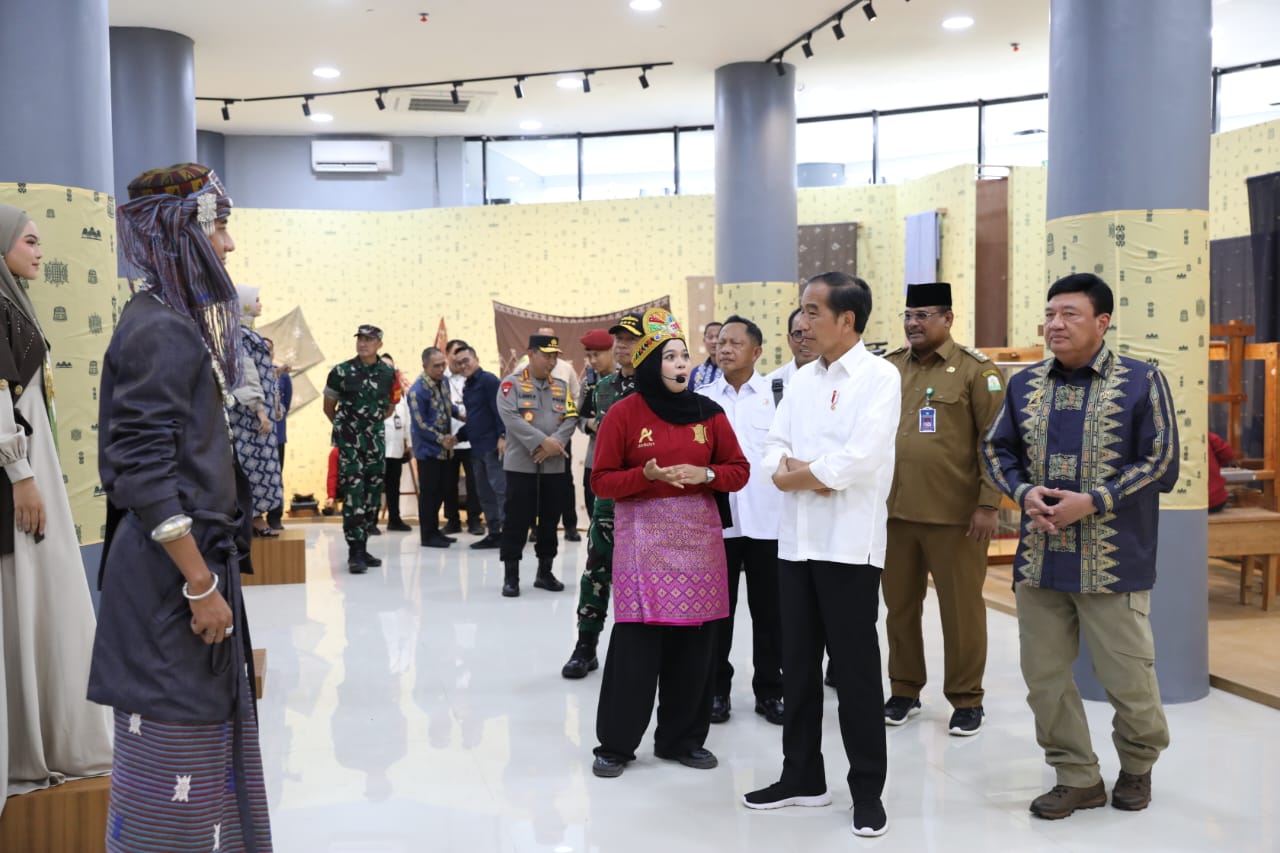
[1085, 444]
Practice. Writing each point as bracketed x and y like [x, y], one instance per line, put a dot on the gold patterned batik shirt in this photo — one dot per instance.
[1107, 429]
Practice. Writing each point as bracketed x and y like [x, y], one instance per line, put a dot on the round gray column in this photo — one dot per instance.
[152, 101]
[57, 104]
[1129, 126]
[211, 151]
[755, 173]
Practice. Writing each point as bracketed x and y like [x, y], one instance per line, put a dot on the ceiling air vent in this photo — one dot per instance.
[440, 101]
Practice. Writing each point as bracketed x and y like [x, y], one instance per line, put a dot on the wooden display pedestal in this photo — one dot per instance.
[64, 818]
[278, 559]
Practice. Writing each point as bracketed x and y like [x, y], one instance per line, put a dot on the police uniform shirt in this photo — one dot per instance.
[938, 478]
[532, 409]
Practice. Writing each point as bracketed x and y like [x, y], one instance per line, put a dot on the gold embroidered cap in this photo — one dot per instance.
[658, 326]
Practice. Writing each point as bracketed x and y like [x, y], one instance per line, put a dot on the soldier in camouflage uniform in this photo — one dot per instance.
[357, 399]
[597, 577]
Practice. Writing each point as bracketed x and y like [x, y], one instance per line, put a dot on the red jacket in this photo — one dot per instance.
[631, 434]
[1220, 453]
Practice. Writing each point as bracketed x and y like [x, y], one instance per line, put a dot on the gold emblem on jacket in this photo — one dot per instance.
[700, 433]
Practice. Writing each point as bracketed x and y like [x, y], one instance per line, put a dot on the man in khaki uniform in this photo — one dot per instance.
[942, 510]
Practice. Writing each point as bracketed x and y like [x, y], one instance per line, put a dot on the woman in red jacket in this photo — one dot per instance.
[660, 454]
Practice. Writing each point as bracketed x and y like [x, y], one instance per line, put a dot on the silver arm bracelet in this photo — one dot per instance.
[186, 590]
[173, 527]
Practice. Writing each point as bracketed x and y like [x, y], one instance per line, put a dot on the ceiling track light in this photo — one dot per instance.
[453, 94]
[838, 27]
[869, 11]
[382, 105]
[306, 106]
[644, 78]
[519, 87]
[226, 110]
[780, 68]
[586, 82]
[807, 47]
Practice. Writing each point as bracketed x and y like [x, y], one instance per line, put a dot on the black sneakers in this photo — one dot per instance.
[965, 722]
[698, 759]
[869, 819]
[899, 709]
[778, 796]
[607, 767]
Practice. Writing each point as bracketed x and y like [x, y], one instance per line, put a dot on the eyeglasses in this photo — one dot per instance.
[918, 316]
[797, 335]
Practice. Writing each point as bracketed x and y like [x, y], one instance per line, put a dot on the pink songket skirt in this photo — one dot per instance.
[668, 561]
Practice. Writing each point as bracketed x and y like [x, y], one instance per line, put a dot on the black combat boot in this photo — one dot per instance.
[355, 559]
[546, 580]
[369, 560]
[583, 659]
[511, 582]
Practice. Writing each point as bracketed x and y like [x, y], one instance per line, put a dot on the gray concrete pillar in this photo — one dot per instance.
[211, 151]
[755, 173]
[153, 102]
[57, 104]
[1129, 120]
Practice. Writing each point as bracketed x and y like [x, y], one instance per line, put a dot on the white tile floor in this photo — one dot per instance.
[415, 709]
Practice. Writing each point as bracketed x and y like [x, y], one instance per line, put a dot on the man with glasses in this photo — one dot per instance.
[942, 510]
[800, 356]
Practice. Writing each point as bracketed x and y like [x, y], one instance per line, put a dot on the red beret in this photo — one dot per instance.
[597, 339]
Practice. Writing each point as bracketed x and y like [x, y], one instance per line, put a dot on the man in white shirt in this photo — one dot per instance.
[831, 451]
[800, 356]
[751, 543]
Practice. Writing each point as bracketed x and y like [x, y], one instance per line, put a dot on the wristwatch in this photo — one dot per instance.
[711, 475]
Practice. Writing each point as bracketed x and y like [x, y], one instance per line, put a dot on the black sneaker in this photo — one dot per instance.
[582, 661]
[778, 796]
[453, 527]
[698, 759]
[608, 767]
[899, 709]
[398, 526]
[965, 722]
[487, 543]
[869, 819]
[475, 528]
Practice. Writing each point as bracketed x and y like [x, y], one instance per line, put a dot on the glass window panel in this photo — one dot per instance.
[913, 145]
[834, 153]
[473, 173]
[528, 171]
[698, 162]
[630, 166]
[1016, 134]
[1248, 97]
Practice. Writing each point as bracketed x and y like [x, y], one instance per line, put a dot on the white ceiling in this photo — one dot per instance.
[250, 48]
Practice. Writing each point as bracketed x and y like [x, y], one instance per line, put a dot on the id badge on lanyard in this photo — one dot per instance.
[928, 414]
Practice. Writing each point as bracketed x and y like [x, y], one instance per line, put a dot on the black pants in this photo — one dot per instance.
[395, 467]
[433, 477]
[569, 502]
[588, 496]
[835, 604]
[531, 496]
[277, 515]
[758, 560]
[672, 662]
[460, 461]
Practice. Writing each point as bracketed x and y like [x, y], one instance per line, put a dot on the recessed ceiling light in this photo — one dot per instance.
[570, 83]
[531, 124]
[960, 22]
[327, 72]
[646, 5]
[321, 117]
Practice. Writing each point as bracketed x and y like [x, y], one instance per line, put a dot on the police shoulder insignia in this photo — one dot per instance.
[978, 355]
[506, 388]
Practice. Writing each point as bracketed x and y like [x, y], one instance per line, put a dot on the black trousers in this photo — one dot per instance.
[832, 604]
[461, 462]
[275, 516]
[395, 467]
[569, 502]
[669, 662]
[588, 496]
[531, 496]
[433, 477]
[758, 560]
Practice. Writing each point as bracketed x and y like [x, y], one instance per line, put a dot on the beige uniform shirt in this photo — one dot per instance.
[938, 478]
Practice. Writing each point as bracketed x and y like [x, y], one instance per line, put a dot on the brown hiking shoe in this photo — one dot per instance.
[1063, 800]
[1132, 792]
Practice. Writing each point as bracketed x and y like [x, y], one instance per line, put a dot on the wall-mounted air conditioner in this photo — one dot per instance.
[351, 155]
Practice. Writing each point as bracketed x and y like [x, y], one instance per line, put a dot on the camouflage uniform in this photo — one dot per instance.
[597, 577]
[363, 395]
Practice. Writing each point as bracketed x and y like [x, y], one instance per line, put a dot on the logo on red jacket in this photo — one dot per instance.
[506, 388]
